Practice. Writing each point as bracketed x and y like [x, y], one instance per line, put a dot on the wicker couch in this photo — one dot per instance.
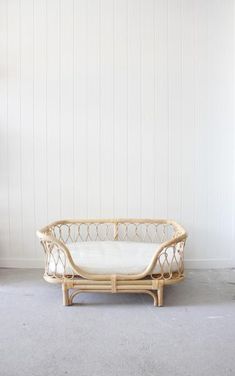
[113, 255]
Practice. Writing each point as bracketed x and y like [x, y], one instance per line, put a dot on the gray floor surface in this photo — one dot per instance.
[105, 334]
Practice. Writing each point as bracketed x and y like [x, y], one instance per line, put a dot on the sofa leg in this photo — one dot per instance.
[160, 296]
[65, 294]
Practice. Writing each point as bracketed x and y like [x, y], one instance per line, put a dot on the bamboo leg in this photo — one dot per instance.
[160, 296]
[65, 295]
[155, 300]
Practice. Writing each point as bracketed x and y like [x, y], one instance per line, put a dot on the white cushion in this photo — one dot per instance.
[115, 257]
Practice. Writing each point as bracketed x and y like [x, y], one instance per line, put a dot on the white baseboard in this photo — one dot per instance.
[28, 263]
[209, 263]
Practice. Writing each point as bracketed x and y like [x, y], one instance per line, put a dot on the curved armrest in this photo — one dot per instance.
[52, 245]
[162, 259]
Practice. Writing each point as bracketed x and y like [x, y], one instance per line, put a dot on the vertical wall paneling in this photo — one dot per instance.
[233, 117]
[147, 106]
[14, 129]
[190, 66]
[134, 108]
[117, 108]
[53, 118]
[4, 163]
[200, 173]
[41, 112]
[106, 118]
[161, 113]
[120, 107]
[66, 107]
[93, 109]
[174, 108]
[27, 125]
[220, 126]
[80, 109]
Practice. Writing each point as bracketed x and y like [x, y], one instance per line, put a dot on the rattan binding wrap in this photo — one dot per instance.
[55, 237]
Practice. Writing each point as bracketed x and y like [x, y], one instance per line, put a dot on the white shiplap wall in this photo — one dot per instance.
[117, 108]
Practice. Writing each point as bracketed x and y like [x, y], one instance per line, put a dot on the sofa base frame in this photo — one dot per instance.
[152, 287]
[156, 295]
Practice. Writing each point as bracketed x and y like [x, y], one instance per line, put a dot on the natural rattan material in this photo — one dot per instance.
[57, 235]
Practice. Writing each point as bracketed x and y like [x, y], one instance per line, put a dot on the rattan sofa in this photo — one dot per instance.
[113, 255]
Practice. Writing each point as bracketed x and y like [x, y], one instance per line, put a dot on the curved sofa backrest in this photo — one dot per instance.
[142, 230]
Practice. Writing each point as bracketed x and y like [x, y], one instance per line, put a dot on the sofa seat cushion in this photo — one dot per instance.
[116, 257]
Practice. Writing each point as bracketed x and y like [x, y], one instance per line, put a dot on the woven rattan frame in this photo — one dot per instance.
[170, 234]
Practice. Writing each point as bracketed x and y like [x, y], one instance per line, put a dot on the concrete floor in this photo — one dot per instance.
[110, 335]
